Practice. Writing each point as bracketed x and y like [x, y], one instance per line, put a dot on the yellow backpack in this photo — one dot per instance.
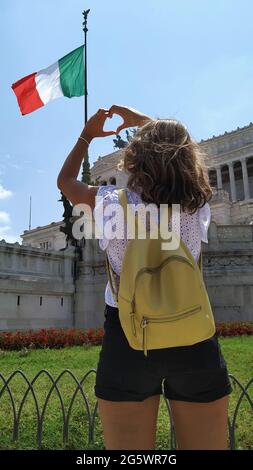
[162, 298]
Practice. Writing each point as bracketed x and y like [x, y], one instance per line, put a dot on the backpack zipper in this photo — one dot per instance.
[132, 315]
[167, 318]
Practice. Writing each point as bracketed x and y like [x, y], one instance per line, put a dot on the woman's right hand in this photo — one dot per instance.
[131, 117]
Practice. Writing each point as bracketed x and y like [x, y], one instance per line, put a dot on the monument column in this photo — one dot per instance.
[219, 178]
[245, 178]
[232, 181]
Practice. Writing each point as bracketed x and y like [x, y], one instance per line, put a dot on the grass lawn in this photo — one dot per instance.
[237, 351]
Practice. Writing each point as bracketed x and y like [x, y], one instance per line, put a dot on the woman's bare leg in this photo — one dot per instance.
[201, 426]
[129, 425]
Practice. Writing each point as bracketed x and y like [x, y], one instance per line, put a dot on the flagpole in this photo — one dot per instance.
[85, 30]
[30, 213]
[86, 166]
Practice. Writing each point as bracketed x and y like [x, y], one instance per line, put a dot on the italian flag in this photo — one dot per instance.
[64, 78]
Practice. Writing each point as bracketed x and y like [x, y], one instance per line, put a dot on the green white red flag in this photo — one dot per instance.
[63, 78]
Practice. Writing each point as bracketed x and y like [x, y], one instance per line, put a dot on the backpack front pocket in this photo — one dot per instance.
[164, 319]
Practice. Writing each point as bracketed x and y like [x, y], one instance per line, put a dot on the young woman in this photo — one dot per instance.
[163, 165]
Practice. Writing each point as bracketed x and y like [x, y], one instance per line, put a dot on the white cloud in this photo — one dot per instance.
[4, 224]
[4, 193]
[5, 229]
[12, 238]
[4, 217]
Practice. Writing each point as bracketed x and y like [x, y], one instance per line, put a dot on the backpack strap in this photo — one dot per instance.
[123, 200]
[132, 220]
[112, 276]
[200, 261]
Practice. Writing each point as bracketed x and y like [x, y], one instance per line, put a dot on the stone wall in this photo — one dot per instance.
[228, 271]
[36, 288]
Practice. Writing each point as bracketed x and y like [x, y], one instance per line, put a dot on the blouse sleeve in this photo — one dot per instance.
[204, 221]
[105, 195]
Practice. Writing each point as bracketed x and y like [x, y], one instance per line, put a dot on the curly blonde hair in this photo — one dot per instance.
[164, 165]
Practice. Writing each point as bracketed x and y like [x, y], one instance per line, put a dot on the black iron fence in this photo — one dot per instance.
[28, 392]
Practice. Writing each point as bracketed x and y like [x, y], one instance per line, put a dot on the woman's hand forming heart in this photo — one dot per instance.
[94, 126]
[131, 117]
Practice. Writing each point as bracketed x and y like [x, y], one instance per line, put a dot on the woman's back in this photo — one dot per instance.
[193, 229]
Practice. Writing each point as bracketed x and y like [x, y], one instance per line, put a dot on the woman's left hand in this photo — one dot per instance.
[94, 126]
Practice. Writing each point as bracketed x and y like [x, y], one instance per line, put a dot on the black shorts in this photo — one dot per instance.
[195, 373]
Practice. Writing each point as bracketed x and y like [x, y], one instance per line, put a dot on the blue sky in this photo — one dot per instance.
[187, 59]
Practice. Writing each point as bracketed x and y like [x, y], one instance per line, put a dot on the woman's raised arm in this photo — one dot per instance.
[76, 191]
